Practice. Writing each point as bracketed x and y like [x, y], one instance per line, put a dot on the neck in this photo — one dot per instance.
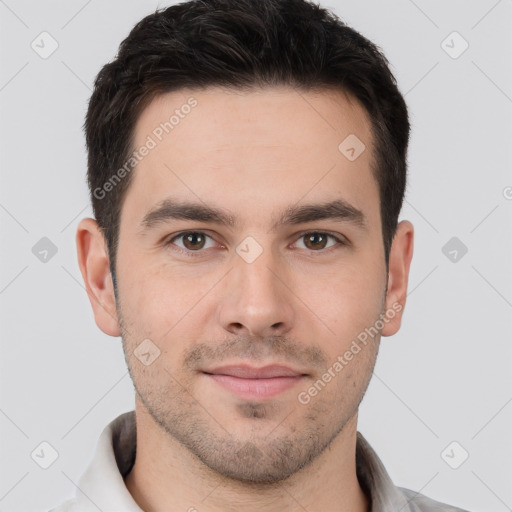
[167, 477]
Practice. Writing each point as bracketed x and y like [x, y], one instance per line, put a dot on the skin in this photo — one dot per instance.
[200, 446]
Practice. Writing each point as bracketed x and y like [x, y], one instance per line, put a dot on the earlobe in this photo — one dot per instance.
[93, 261]
[400, 257]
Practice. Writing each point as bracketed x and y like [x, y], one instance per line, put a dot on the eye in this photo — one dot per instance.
[193, 241]
[317, 240]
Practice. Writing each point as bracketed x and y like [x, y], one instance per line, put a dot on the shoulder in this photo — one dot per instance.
[421, 503]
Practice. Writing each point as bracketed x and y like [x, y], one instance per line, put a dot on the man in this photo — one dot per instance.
[247, 166]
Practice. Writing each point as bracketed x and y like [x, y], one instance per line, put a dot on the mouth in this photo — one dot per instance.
[253, 383]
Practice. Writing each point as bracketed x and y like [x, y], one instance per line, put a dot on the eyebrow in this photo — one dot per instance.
[170, 209]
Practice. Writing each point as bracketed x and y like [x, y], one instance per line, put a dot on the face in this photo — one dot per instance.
[250, 259]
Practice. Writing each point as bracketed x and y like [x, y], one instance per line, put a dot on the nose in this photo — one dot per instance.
[258, 298]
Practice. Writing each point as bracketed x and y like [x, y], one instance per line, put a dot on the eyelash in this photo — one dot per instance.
[195, 254]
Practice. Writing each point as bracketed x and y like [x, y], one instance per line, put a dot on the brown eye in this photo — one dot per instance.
[190, 242]
[318, 240]
[193, 240]
[315, 240]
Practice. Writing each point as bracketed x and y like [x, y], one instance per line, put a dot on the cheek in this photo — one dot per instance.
[348, 299]
[158, 298]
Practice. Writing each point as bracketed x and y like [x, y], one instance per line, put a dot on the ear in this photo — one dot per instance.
[94, 265]
[400, 257]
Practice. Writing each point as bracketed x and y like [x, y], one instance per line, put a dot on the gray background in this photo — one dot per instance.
[446, 376]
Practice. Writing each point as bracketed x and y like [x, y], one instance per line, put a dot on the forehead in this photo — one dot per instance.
[271, 145]
[230, 116]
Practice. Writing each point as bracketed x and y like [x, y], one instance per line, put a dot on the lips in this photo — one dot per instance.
[252, 383]
[249, 372]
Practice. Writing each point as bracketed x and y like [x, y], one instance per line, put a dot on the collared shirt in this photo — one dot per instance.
[102, 485]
